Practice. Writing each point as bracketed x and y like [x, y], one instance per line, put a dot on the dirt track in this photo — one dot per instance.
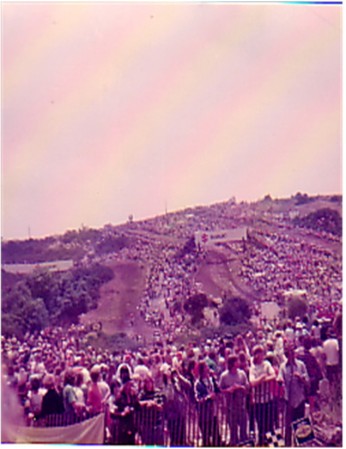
[119, 299]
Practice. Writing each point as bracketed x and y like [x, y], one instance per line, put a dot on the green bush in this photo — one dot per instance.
[194, 306]
[297, 307]
[234, 311]
[44, 298]
[116, 342]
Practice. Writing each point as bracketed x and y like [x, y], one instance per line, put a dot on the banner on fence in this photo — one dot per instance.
[90, 431]
[205, 238]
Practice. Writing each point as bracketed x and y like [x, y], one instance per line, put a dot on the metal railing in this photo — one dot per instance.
[227, 420]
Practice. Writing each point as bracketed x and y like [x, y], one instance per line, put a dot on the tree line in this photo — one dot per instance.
[45, 298]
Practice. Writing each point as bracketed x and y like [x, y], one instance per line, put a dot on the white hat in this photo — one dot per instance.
[96, 369]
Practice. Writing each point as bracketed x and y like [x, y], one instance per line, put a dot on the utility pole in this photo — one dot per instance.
[29, 233]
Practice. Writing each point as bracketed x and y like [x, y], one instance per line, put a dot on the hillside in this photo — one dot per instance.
[156, 265]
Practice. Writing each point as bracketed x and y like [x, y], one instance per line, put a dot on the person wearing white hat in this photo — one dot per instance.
[141, 369]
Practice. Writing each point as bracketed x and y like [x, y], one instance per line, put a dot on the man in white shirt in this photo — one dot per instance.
[261, 374]
[234, 383]
[289, 332]
[331, 355]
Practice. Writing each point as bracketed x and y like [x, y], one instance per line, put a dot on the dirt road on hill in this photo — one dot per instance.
[221, 275]
[119, 300]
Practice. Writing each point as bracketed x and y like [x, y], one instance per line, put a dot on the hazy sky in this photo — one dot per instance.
[117, 108]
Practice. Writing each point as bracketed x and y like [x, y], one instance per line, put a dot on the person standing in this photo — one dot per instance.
[127, 403]
[261, 374]
[314, 372]
[52, 401]
[151, 422]
[94, 395]
[294, 376]
[235, 385]
[205, 390]
[175, 406]
[331, 356]
[35, 397]
[69, 396]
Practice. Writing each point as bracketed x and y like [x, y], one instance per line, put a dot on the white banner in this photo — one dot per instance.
[90, 431]
[222, 236]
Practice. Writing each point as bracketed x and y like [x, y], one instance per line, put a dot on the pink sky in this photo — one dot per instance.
[118, 108]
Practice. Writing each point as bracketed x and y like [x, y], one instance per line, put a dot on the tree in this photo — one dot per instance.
[235, 310]
[21, 312]
[43, 284]
[325, 219]
[111, 244]
[194, 305]
[45, 298]
[297, 307]
[35, 315]
[302, 198]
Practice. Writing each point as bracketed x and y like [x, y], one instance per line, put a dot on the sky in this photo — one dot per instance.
[112, 109]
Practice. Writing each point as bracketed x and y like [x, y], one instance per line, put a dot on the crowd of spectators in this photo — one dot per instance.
[56, 372]
[295, 265]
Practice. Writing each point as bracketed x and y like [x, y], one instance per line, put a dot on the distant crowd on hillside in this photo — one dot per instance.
[288, 263]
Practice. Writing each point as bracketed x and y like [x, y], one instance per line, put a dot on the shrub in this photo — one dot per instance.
[194, 305]
[235, 310]
[297, 307]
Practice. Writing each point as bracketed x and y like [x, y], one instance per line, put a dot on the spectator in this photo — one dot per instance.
[205, 391]
[314, 372]
[175, 388]
[331, 352]
[331, 356]
[52, 401]
[80, 389]
[279, 347]
[241, 346]
[112, 418]
[295, 379]
[234, 383]
[141, 369]
[276, 390]
[316, 330]
[152, 422]
[68, 393]
[118, 372]
[35, 397]
[22, 385]
[126, 403]
[261, 373]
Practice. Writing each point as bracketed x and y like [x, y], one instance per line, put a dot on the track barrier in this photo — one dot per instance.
[242, 418]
